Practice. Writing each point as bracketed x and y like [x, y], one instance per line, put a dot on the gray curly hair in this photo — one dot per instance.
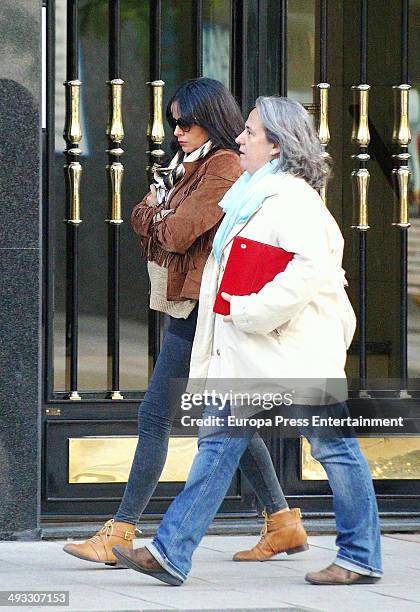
[288, 125]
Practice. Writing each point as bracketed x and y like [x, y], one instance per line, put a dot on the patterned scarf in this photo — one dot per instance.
[165, 179]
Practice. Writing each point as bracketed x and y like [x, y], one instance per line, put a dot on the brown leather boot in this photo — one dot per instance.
[334, 574]
[141, 560]
[282, 532]
[99, 547]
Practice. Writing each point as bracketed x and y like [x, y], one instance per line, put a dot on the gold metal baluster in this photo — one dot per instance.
[402, 137]
[402, 134]
[157, 134]
[74, 173]
[355, 211]
[362, 135]
[116, 172]
[73, 128]
[156, 130]
[403, 179]
[361, 179]
[323, 128]
[115, 129]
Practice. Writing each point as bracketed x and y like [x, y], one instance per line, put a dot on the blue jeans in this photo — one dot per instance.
[156, 416]
[192, 511]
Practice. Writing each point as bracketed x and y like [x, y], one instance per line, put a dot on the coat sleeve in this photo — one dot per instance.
[142, 217]
[196, 214]
[302, 231]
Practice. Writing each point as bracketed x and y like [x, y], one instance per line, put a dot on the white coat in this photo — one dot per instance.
[300, 324]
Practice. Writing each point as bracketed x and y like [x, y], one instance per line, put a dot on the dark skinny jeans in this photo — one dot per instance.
[156, 416]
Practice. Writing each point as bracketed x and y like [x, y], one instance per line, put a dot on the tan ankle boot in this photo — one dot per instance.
[99, 547]
[282, 532]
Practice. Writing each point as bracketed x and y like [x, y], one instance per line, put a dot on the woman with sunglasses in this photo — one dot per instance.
[176, 222]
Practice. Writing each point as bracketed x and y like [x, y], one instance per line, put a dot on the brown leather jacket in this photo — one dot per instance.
[182, 240]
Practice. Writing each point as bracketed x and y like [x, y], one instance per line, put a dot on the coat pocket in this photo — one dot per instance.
[279, 332]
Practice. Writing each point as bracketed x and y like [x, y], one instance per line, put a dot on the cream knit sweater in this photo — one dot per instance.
[158, 283]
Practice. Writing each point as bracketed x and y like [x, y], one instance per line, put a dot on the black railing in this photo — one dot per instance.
[283, 48]
[323, 40]
[402, 174]
[198, 9]
[73, 169]
[323, 85]
[115, 133]
[361, 137]
[155, 68]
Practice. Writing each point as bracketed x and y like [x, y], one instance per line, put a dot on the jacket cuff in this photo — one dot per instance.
[239, 313]
[142, 219]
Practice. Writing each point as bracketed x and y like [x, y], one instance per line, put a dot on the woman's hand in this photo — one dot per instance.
[227, 297]
[151, 199]
[161, 214]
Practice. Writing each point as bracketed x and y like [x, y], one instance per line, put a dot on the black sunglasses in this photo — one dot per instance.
[184, 125]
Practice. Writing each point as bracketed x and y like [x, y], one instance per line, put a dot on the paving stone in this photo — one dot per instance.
[408, 592]
[408, 537]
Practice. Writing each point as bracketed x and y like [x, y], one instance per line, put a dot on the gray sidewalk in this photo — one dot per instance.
[215, 583]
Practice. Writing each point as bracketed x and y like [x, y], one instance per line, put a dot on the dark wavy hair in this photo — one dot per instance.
[209, 104]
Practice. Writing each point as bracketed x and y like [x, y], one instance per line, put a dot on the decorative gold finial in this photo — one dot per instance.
[403, 179]
[115, 129]
[401, 133]
[362, 135]
[73, 129]
[116, 172]
[74, 174]
[157, 132]
[323, 130]
[361, 185]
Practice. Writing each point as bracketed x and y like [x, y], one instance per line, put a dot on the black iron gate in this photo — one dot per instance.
[121, 60]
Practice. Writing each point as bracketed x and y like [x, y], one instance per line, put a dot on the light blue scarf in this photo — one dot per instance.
[244, 198]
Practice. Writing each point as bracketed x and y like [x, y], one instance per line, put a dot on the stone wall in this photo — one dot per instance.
[20, 267]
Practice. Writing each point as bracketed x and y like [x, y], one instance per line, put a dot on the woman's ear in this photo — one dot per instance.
[275, 150]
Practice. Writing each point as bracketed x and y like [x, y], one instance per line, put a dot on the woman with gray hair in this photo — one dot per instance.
[297, 326]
